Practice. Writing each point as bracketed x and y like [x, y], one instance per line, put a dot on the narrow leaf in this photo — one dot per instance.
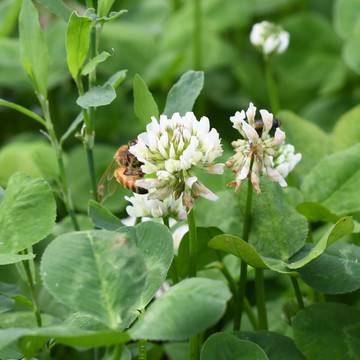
[57, 7]
[6, 259]
[315, 212]
[77, 43]
[34, 51]
[116, 79]
[102, 217]
[94, 62]
[182, 95]
[144, 103]
[72, 127]
[104, 6]
[97, 96]
[23, 110]
[20, 225]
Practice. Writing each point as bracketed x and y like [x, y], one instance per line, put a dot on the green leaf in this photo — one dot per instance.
[34, 51]
[275, 345]
[328, 331]
[102, 217]
[311, 251]
[57, 7]
[104, 6]
[334, 182]
[144, 104]
[32, 342]
[346, 17]
[225, 346]
[336, 271]
[72, 127]
[317, 145]
[77, 43]
[97, 96]
[116, 79]
[23, 110]
[20, 225]
[279, 230]
[351, 54]
[7, 291]
[94, 62]
[203, 301]
[238, 247]
[23, 319]
[109, 276]
[315, 212]
[204, 255]
[182, 95]
[6, 259]
[346, 132]
[156, 245]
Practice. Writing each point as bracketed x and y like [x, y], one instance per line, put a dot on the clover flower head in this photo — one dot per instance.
[269, 38]
[257, 154]
[170, 149]
[142, 206]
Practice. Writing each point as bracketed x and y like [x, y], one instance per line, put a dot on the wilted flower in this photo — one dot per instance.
[260, 154]
[144, 207]
[170, 149]
[269, 38]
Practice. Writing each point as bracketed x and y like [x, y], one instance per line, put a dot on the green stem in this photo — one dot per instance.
[194, 351]
[297, 292]
[142, 349]
[32, 289]
[119, 348]
[260, 298]
[192, 243]
[66, 194]
[235, 292]
[197, 35]
[270, 82]
[89, 4]
[243, 265]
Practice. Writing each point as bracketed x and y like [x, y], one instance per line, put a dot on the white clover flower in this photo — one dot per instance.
[170, 149]
[269, 38]
[142, 206]
[265, 153]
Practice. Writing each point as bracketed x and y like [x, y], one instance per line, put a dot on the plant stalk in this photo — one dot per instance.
[260, 299]
[192, 244]
[271, 86]
[243, 264]
[119, 348]
[197, 35]
[298, 294]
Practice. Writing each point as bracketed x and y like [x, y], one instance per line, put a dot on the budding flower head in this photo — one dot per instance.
[141, 206]
[262, 154]
[170, 150]
[269, 38]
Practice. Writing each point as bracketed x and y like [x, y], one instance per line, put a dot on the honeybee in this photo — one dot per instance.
[259, 126]
[128, 172]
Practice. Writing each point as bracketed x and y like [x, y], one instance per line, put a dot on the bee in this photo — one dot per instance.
[128, 172]
[259, 126]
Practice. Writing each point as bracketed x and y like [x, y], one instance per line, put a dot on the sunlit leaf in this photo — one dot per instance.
[20, 225]
[97, 96]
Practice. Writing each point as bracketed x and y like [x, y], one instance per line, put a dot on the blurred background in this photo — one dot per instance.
[317, 77]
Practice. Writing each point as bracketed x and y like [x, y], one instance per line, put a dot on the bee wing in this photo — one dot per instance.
[112, 186]
[108, 174]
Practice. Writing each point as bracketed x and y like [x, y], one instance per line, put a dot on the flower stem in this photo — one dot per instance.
[192, 243]
[297, 292]
[194, 351]
[142, 349]
[119, 348]
[197, 35]
[32, 289]
[260, 299]
[270, 82]
[243, 265]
